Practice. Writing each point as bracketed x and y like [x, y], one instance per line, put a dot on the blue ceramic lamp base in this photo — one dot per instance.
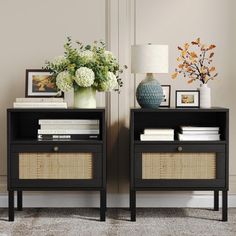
[149, 93]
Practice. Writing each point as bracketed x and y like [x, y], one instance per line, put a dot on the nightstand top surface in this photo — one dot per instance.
[55, 110]
[213, 109]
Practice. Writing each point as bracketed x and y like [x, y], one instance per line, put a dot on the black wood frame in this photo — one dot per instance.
[18, 142]
[194, 91]
[160, 118]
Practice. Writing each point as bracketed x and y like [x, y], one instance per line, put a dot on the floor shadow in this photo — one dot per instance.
[6, 220]
[174, 213]
[115, 214]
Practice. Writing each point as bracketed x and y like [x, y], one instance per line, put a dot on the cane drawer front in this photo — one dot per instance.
[53, 165]
[179, 165]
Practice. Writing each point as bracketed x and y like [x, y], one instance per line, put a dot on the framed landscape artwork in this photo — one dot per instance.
[187, 98]
[40, 83]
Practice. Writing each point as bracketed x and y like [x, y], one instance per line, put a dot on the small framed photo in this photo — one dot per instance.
[187, 99]
[166, 96]
[40, 83]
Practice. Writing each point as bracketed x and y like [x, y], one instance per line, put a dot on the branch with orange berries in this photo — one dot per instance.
[196, 65]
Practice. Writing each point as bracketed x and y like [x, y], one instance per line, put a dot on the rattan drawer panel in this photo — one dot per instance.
[178, 165]
[55, 166]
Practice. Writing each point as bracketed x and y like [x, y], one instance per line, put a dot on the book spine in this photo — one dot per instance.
[39, 104]
[200, 132]
[68, 137]
[43, 107]
[40, 100]
[192, 128]
[144, 137]
[183, 137]
[159, 132]
[68, 131]
[69, 126]
[68, 122]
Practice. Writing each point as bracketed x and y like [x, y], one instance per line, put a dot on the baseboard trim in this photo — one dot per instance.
[82, 199]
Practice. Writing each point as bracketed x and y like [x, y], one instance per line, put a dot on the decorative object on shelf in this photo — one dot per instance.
[149, 59]
[187, 99]
[196, 65]
[154, 134]
[86, 69]
[205, 98]
[36, 102]
[84, 97]
[40, 83]
[166, 95]
[196, 133]
[68, 129]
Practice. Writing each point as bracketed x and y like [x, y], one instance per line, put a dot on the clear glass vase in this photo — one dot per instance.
[84, 97]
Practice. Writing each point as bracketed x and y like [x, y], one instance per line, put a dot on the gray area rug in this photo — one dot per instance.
[85, 222]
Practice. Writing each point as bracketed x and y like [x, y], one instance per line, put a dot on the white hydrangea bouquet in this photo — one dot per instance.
[86, 69]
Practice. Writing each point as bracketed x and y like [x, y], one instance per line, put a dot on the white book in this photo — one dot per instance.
[159, 131]
[193, 128]
[200, 132]
[67, 122]
[188, 137]
[149, 137]
[40, 105]
[68, 131]
[69, 126]
[39, 99]
[62, 136]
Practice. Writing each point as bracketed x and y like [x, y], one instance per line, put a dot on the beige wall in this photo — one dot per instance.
[232, 102]
[175, 22]
[33, 31]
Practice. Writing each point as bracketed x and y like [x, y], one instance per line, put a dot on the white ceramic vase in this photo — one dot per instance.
[205, 96]
[85, 97]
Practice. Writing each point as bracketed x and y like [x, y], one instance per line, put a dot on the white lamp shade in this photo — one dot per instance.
[149, 58]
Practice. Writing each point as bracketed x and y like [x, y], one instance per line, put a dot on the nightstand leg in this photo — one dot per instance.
[19, 200]
[216, 200]
[11, 205]
[133, 205]
[103, 205]
[224, 205]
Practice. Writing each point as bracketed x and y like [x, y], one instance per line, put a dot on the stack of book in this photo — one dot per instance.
[39, 103]
[70, 129]
[193, 133]
[157, 135]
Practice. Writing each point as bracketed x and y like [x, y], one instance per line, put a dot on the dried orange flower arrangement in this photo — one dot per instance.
[196, 65]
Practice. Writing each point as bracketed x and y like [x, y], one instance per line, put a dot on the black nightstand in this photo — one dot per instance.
[55, 166]
[215, 154]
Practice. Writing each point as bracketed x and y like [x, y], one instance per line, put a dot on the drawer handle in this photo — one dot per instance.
[56, 149]
[180, 149]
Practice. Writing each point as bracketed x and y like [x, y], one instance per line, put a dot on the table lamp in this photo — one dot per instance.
[149, 59]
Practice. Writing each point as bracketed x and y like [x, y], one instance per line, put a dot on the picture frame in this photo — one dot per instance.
[187, 99]
[166, 96]
[39, 83]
